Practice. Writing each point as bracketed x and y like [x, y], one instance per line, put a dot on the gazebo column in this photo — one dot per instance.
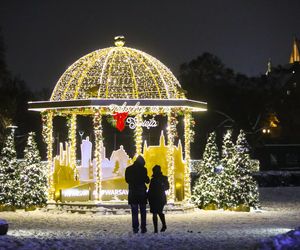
[47, 119]
[72, 124]
[138, 134]
[97, 120]
[187, 147]
[171, 133]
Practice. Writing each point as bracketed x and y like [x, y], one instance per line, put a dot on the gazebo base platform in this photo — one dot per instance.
[107, 208]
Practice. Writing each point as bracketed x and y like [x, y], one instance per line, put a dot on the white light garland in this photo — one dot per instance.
[72, 122]
[138, 134]
[171, 133]
[47, 119]
[98, 148]
[187, 147]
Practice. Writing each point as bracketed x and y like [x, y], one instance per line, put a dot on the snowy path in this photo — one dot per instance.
[196, 230]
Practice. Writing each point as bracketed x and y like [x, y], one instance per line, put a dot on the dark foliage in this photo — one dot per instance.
[241, 102]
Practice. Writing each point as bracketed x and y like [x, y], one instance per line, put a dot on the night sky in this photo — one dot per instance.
[44, 37]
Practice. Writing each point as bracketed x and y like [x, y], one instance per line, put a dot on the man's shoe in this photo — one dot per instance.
[144, 230]
[135, 231]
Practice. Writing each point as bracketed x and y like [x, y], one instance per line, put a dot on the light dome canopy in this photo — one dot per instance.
[117, 73]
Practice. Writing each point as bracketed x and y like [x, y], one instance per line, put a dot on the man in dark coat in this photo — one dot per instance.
[136, 177]
[157, 197]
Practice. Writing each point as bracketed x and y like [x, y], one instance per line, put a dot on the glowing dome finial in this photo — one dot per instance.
[119, 41]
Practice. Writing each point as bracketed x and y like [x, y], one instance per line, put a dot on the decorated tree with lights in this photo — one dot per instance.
[229, 170]
[206, 191]
[9, 173]
[33, 178]
[244, 188]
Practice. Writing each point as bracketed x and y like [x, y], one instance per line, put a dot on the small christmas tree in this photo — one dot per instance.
[33, 176]
[245, 187]
[9, 173]
[206, 189]
[229, 171]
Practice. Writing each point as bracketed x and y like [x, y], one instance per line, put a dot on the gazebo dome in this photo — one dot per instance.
[117, 73]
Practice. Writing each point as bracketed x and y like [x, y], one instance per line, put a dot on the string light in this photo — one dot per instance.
[47, 120]
[98, 131]
[138, 134]
[117, 72]
[188, 138]
[171, 133]
[72, 125]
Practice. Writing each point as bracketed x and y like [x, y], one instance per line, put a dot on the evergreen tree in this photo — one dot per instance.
[228, 149]
[33, 176]
[206, 189]
[9, 173]
[245, 187]
[229, 170]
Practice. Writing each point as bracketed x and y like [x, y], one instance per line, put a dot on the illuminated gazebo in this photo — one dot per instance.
[118, 79]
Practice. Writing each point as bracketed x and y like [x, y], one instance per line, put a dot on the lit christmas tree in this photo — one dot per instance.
[229, 171]
[33, 176]
[245, 190]
[9, 173]
[228, 149]
[207, 187]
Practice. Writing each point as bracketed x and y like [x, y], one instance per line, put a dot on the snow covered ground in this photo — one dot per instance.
[196, 230]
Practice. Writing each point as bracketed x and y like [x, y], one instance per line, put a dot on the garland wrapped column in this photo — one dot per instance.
[47, 120]
[171, 133]
[98, 151]
[188, 138]
[138, 133]
[72, 142]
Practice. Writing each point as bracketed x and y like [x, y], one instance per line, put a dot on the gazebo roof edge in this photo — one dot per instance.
[195, 106]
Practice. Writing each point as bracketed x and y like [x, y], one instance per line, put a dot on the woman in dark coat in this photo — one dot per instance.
[157, 196]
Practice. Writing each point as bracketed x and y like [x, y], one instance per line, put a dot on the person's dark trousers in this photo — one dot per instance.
[135, 218]
[154, 218]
